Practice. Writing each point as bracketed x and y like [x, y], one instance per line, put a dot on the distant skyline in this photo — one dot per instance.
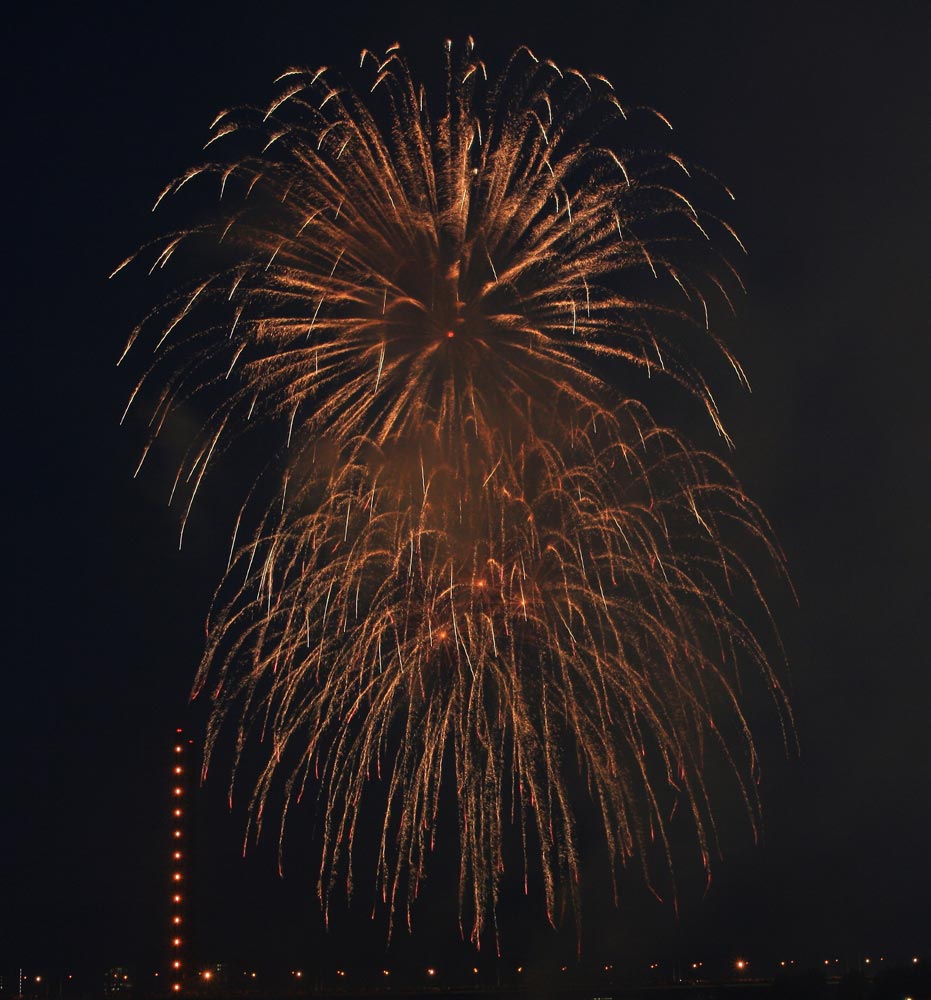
[816, 118]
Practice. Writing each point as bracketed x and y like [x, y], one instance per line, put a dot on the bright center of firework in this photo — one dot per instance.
[432, 295]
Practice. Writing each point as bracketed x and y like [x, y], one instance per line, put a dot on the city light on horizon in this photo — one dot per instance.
[40, 984]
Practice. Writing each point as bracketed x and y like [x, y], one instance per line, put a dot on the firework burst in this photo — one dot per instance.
[468, 562]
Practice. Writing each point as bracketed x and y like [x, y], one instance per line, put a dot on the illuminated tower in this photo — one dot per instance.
[179, 889]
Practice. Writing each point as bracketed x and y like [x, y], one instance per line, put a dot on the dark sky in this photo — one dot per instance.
[817, 116]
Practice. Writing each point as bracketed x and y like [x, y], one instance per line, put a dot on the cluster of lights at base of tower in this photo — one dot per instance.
[178, 892]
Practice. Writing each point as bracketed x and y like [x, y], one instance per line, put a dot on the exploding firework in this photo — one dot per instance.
[467, 561]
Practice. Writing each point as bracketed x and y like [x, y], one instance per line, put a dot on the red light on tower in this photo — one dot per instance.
[177, 833]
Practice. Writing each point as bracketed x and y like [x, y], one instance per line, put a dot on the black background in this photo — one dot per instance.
[817, 116]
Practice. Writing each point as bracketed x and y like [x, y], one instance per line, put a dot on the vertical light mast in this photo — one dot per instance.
[178, 877]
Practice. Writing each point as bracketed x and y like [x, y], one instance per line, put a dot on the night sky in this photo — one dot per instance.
[817, 116]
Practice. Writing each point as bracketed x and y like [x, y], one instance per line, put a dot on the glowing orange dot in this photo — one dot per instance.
[450, 334]
[176, 920]
[178, 749]
[177, 876]
[179, 791]
[176, 964]
[177, 855]
[176, 899]
[179, 770]
[177, 812]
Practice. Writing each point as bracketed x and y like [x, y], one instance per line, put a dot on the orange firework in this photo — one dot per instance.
[466, 550]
